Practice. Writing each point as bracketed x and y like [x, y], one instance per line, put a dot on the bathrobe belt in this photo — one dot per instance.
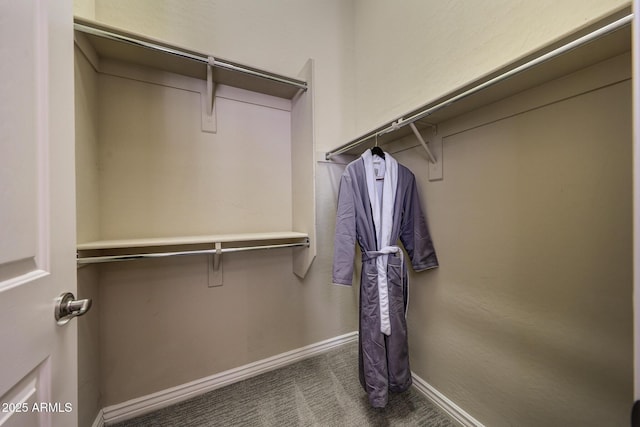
[369, 255]
[383, 290]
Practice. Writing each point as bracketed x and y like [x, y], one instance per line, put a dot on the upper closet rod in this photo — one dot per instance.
[199, 58]
[616, 25]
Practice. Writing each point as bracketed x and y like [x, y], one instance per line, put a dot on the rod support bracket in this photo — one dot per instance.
[432, 158]
[215, 266]
[217, 257]
[210, 85]
[208, 100]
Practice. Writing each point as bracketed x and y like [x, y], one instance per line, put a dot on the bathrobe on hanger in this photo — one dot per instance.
[378, 204]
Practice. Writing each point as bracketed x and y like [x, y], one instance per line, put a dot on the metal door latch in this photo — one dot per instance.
[67, 307]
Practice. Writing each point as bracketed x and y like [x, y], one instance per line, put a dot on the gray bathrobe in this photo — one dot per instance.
[378, 204]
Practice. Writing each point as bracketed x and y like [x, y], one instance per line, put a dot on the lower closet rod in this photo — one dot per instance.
[132, 257]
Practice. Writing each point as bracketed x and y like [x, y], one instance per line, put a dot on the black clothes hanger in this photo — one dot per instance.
[377, 151]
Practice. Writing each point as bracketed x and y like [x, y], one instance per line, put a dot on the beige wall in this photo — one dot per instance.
[412, 51]
[528, 320]
[90, 399]
[88, 220]
[161, 175]
[84, 8]
[276, 35]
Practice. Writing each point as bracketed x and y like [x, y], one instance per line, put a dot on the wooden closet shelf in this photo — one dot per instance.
[113, 43]
[190, 240]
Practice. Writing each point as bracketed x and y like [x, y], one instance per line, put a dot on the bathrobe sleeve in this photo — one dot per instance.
[414, 232]
[345, 235]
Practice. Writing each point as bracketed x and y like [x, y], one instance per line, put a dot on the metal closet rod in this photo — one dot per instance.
[133, 257]
[194, 57]
[396, 124]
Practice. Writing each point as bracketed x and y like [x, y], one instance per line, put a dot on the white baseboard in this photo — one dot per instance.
[99, 421]
[152, 402]
[454, 411]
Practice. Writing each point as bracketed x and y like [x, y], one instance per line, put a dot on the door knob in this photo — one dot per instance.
[67, 307]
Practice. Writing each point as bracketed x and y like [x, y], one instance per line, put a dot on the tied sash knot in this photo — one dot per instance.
[382, 257]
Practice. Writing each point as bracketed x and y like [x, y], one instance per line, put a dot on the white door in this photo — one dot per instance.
[38, 360]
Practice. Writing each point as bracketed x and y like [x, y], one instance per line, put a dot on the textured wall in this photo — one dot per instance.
[161, 326]
[166, 177]
[84, 8]
[278, 35]
[87, 148]
[160, 175]
[528, 320]
[87, 229]
[412, 51]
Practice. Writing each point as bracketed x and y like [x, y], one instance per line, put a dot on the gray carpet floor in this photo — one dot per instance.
[319, 391]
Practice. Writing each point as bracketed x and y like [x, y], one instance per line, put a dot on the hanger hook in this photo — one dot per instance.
[376, 139]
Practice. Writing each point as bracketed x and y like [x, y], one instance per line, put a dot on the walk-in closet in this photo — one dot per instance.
[204, 171]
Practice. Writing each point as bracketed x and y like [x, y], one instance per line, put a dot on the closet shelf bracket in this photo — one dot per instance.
[432, 158]
[394, 126]
[215, 266]
[208, 111]
[210, 85]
